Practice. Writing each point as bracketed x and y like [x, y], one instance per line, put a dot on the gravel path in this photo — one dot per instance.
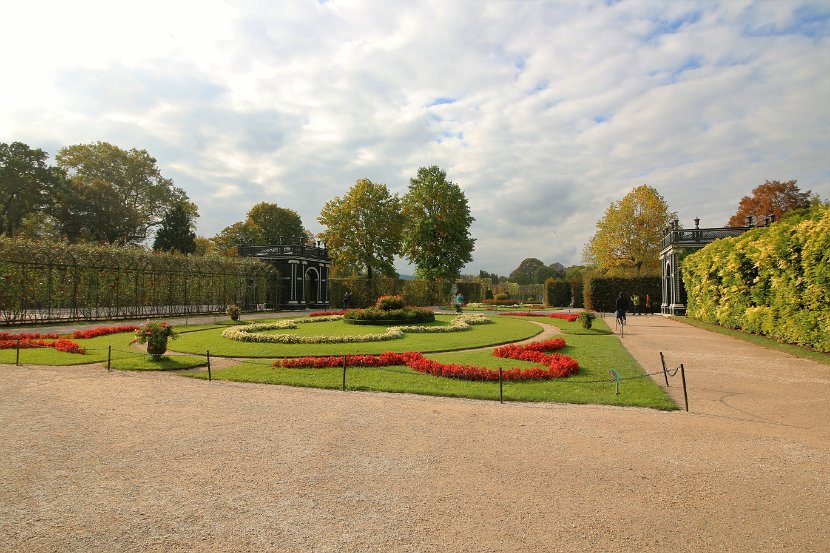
[133, 461]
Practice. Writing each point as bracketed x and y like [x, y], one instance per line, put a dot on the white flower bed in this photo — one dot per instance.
[251, 333]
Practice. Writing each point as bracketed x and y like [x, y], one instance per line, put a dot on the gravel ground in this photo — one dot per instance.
[126, 461]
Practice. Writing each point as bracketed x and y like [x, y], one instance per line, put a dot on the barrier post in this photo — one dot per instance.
[210, 377]
[665, 370]
[343, 388]
[109, 357]
[17, 360]
[501, 389]
[685, 395]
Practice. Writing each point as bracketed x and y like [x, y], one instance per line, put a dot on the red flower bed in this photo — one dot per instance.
[102, 331]
[327, 313]
[564, 316]
[28, 336]
[60, 344]
[558, 366]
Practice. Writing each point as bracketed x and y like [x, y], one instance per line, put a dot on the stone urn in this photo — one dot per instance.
[157, 347]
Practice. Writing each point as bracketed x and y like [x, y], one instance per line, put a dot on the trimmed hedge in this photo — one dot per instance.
[773, 280]
[557, 293]
[365, 292]
[470, 290]
[577, 287]
[600, 293]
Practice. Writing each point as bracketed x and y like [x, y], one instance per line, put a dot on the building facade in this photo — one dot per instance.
[303, 280]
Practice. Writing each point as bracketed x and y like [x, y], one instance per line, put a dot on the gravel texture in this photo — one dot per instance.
[92, 460]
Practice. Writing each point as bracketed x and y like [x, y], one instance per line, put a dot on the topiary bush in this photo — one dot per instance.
[501, 297]
[586, 319]
[389, 303]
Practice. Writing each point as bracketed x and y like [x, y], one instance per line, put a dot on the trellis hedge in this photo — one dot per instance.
[773, 280]
[365, 292]
[600, 293]
[44, 282]
[558, 293]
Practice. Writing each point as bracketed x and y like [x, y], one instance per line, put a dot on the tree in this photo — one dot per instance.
[363, 229]
[575, 272]
[237, 234]
[437, 226]
[93, 213]
[276, 225]
[771, 198]
[628, 236]
[554, 271]
[129, 176]
[177, 230]
[27, 184]
[526, 271]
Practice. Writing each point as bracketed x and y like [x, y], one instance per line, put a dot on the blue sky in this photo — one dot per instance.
[543, 112]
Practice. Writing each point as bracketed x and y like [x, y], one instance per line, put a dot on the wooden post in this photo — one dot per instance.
[109, 357]
[210, 377]
[685, 395]
[17, 360]
[665, 370]
[343, 388]
[501, 389]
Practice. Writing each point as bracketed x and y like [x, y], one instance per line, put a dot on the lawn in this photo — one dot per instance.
[596, 351]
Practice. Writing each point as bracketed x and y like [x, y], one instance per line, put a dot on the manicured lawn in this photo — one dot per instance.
[596, 353]
[503, 330]
[796, 351]
[163, 363]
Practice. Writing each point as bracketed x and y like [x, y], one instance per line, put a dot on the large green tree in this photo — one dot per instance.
[627, 241]
[27, 184]
[238, 234]
[129, 176]
[276, 225]
[436, 235]
[178, 229]
[526, 271]
[363, 229]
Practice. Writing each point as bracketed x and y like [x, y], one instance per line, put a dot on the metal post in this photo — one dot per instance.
[685, 395]
[501, 389]
[109, 357]
[208, 360]
[17, 361]
[344, 372]
[665, 371]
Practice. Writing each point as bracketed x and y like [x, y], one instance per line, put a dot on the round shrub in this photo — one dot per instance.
[501, 296]
[390, 303]
[373, 315]
[586, 319]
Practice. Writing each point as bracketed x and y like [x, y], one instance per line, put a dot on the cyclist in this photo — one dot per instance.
[621, 307]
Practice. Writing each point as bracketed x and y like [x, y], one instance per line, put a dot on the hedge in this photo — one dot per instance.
[557, 293]
[365, 292]
[773, 280]
[600, 293]
[577, 287]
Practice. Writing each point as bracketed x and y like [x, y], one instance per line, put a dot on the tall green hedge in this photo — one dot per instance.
[365, 292]
[773, 280]
[41, 281]
[600, 293]
[557, 293]
[577, 287]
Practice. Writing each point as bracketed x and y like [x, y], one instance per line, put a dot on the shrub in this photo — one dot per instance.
[557, 293]
[501, 297]
[586, 319]
[389, 303]
[380, 316]
[601, 292]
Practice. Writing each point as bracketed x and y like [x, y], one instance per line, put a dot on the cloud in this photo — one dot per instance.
[543, 112]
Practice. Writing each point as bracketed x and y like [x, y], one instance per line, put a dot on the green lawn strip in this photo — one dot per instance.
[764, 341]
[502, 330]
[598, 328]
[96, 352]
[163, 363]
[595, 355]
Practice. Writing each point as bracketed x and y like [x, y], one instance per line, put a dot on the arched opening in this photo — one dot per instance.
[311, 286]
[669, 294]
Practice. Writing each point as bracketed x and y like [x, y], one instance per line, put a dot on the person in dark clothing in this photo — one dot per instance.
[621, 306]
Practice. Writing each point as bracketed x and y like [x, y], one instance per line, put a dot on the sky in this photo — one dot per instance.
[542, 112]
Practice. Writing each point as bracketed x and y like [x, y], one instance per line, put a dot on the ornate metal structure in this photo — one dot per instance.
[304, 274]
[677, 243]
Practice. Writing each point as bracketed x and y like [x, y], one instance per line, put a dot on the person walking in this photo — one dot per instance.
[621, 306]
[459, 299]
[635, 301]
[648, 304]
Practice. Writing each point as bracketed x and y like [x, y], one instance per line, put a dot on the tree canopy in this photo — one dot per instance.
[132, 194]
[436, 237]
[363, 229]
[27, 184]
[771, 198]
[177, 230]
[275, 224]
[627, 241]
[526, 271]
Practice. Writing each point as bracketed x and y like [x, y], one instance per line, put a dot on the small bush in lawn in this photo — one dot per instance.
[501, 296]
[389, 303]
[586, 319]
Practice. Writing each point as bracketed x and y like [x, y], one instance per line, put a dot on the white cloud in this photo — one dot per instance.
[544, 113]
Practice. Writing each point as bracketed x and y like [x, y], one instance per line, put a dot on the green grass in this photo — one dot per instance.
[502, 330]
[764, 341]
[163, 363]
[596, 354]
